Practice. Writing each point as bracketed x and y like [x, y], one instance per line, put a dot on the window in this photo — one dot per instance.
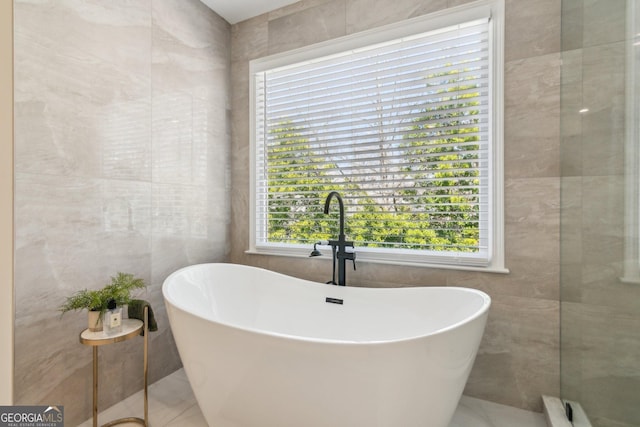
[404, 122]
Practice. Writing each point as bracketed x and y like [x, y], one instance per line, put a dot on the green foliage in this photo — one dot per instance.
[121, 287]
[292, 172]
[430, 202]
[118, 290]
[93, 300]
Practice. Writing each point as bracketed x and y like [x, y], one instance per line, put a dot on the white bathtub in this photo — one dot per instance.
[262, 349]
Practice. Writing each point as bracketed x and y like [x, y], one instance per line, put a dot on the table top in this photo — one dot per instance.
[130, 329]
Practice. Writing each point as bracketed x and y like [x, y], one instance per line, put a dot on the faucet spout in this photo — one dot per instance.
[327, 202]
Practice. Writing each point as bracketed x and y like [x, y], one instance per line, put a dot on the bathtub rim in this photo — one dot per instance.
[483, 311]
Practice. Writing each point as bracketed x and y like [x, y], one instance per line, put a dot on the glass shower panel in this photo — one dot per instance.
[600, 274]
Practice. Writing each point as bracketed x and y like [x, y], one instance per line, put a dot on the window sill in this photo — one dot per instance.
[362, 257]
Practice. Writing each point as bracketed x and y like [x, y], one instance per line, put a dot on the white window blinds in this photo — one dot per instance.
[401, 129]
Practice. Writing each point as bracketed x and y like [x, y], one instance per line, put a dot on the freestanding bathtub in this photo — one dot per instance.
[262, 349]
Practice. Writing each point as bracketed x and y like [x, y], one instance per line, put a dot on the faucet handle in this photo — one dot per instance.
[352, 256]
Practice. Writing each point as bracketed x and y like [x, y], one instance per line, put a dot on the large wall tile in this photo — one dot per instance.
[313, 25]
[240, 226]
[528, 278]
[518, 360]
[454, 3]
[603, 92]
[296, 7]
[192, 25]
[240, 158]
[571, 113]
[572, 24]
[532, 117]
[603, 21]
[532, 218]
[367, 14]
[602, 356]
[571, 238]
[249, 39]
[603, 244]
[181, 139]
[77, 63]
[532, 28]
[57, 214]
[187, 57]
[65, 226]
[124, 133]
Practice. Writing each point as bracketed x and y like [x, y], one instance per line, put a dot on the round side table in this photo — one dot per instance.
[130, 329]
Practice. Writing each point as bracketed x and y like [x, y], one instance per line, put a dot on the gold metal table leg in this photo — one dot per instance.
[146, 365]
[145, 421]
[95, 386]
[125, 420]
[95, 399]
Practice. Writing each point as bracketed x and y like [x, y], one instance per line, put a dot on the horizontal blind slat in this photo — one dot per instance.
[429, 71]
[446, 38]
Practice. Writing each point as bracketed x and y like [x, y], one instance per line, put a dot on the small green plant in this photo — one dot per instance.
[118, 290]
[121, 287]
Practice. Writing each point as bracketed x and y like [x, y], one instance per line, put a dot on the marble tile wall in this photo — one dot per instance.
[600, 320]
[6, 202]
[519, 356]
[122, 142]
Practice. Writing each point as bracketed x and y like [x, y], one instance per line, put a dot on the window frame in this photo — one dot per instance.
[444, 18]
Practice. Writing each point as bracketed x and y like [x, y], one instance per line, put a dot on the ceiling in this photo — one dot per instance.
[239, 10]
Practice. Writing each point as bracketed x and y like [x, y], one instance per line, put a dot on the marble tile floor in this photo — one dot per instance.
[172, 404]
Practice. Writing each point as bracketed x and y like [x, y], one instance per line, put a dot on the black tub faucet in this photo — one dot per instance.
[339, 247]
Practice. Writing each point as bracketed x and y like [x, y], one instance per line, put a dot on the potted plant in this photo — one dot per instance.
[97, 301]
